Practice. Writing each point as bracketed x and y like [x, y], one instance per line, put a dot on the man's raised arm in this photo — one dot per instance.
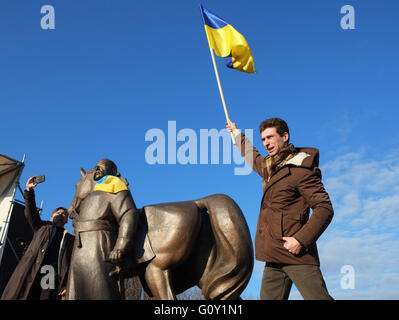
[31, 213]
[248, 151]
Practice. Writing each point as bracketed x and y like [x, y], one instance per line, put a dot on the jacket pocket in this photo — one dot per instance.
[274, 223]
[291, 224]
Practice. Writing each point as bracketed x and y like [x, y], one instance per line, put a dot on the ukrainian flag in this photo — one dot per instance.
[110, 184]
[227, 42]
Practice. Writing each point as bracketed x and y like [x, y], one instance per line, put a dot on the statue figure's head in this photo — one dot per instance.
[105, 167]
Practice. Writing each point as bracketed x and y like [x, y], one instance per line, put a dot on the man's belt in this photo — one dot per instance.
[92, 225]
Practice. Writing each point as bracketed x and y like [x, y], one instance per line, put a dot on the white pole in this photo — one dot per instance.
[221, 92]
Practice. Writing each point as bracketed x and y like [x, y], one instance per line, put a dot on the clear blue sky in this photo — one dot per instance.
[112, 71]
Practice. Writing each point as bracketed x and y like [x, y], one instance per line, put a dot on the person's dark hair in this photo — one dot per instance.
[59, 208]
[280, 125]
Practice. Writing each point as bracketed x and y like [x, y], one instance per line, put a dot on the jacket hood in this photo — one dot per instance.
[306, 157]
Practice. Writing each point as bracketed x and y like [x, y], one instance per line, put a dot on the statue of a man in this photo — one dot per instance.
[105, 227]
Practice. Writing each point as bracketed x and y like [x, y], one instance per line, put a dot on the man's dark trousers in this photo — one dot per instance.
[278, 278]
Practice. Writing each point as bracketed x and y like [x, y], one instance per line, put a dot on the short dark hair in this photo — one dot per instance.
[280, 125]
[59, 208]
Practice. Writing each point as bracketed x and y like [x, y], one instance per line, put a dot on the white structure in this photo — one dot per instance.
[10, 172]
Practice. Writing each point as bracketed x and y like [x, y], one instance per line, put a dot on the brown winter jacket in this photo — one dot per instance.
[21, 281]
[287, 198]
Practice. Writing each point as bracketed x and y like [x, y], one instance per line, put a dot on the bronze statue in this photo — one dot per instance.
[104, 224]
[204, 242]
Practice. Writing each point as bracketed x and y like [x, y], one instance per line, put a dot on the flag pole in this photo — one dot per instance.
[221, 92]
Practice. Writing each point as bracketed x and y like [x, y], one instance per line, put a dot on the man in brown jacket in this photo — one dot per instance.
[285, 235]
[51, 248]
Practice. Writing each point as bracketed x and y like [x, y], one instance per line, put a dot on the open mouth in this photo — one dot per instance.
[270, 150]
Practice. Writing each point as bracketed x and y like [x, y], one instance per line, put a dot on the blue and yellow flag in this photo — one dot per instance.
[227, 42]
[110, 184]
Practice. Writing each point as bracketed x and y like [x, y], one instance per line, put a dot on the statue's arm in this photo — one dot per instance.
[126, 214]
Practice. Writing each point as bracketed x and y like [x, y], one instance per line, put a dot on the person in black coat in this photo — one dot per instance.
[42, 271]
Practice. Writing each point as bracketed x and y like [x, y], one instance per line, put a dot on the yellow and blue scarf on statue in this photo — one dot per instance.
[110, 184]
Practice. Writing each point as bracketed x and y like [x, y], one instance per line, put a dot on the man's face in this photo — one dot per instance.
[272, 141]
[101, 170]
[60, 217]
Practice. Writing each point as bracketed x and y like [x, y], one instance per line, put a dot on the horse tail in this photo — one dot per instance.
[231, 261]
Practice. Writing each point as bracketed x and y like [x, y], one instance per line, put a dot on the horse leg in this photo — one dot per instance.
[159, 282]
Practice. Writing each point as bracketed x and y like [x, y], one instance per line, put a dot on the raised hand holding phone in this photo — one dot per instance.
[34, 181]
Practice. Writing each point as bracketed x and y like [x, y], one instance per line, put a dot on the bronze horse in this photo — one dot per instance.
[204, 242]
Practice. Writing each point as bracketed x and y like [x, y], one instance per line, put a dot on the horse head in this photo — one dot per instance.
[83, 188]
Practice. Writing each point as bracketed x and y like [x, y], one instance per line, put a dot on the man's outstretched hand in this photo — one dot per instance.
[30, 184]
[231, 126]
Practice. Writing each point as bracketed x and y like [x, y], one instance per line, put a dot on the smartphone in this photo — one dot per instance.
[39, 179]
